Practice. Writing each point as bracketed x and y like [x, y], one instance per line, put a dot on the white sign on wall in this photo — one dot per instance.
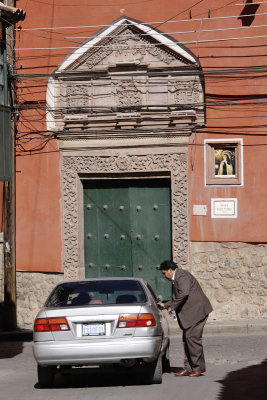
[223, 208]
[200, 209]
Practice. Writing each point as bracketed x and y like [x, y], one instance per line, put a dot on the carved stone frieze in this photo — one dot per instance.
[128, 94]
[72, 166]
[75, 95]
[98, 55]
[187, 92]
[128, 42]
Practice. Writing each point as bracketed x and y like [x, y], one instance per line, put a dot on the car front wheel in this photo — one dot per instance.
[45, 376]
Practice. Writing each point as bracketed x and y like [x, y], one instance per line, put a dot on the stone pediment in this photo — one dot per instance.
[128, 43]
[129, 80]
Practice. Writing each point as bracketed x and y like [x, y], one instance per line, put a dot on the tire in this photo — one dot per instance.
[154, 373]
[45, 376]
[166, 367]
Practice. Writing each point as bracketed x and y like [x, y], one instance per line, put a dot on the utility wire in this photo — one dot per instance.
[149, 108]
[190, 72]
[211, 8]
[124, 36]
[119, 47]
[141, 23]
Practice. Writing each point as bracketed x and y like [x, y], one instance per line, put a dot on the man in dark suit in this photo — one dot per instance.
[192, 308]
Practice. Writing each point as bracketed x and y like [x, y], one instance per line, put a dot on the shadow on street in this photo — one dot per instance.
[245, 384]
[10, 349]
[97, 377]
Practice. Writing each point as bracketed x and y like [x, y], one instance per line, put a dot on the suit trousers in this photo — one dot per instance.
[194, 359]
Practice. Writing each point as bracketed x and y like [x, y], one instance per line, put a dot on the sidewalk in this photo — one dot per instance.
[211, 328]
[227, 327]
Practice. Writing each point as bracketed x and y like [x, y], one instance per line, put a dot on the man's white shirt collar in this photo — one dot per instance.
[173, 275]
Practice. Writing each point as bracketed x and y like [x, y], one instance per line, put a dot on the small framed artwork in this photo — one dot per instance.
[223, 162]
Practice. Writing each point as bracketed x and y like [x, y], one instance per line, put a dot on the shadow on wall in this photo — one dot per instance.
[245, 384]
[247, 15]
[1, 315]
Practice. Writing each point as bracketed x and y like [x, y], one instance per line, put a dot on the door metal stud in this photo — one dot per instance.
[107, 266]
[155, 207]
[106, 236]
[138, 208]
[138, 237]
[121, 208]
[122, 237]
[89, 235]
[156, 237]
[140, 267]
[105, 206]
[90, 265]
[123, 268]
[89, 206]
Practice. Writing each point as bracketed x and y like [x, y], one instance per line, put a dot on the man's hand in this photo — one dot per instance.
[161, 305]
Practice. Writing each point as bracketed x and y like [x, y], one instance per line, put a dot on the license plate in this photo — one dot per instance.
[94, 330]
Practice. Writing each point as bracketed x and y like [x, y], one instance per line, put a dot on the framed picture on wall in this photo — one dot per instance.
[223, 162]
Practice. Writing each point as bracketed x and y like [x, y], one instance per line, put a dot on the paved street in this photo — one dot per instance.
[236, 369]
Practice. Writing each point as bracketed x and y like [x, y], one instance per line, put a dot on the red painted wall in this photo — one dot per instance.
[207, 23]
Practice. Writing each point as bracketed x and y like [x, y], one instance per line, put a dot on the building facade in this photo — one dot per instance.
[141, 137]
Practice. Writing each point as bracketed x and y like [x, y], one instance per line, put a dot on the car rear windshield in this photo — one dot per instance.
[93, 293]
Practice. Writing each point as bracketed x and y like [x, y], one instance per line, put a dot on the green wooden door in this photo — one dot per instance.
[127, 229]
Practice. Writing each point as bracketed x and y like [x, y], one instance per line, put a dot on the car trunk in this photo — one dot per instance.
[90, 323]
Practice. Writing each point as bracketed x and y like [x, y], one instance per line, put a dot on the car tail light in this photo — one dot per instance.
[136, 320]
[51, 324]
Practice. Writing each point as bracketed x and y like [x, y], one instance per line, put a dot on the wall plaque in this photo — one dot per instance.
[223, 208]
[200, 209]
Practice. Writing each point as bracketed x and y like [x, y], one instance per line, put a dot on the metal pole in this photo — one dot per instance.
[10, 303]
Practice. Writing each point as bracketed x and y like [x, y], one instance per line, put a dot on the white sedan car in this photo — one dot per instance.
[99, 322]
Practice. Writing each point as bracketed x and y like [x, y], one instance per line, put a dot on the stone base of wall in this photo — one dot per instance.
[233, 276]
[32, 291]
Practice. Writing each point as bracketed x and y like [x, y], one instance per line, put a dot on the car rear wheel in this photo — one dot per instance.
[45, 376]
[154, 371]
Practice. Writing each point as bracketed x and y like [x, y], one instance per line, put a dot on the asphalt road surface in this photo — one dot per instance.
[236, 370]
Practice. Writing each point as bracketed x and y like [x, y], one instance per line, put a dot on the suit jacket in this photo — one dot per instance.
[188, 299]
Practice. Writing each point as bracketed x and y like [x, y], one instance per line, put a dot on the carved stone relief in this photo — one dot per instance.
[127, 43]
[128, 94]
[75, 95]
[119, 92]
[73, 166]
[187, 92]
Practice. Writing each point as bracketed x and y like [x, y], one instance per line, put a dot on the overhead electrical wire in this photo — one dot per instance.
[190, 72]
[150, 107]
[124, 36]
[192, 8]
[139, 23]
[211, 104]
[145, 45]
